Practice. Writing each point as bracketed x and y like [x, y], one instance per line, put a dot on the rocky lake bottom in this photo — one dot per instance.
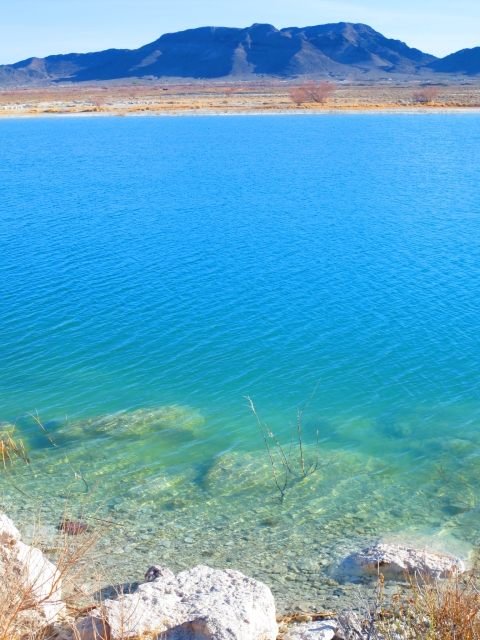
[226, 513]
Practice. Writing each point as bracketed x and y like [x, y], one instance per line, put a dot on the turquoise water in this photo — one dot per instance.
[157, 270]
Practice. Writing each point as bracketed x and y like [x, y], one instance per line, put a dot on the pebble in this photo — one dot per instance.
[164, 542]
[303, 605]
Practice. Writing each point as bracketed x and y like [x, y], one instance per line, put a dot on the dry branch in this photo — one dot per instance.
[289, 472]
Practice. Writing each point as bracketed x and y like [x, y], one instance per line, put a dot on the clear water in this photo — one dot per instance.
[154, 271]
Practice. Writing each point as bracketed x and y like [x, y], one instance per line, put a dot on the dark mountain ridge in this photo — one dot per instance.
[466, 61]
[333, 50]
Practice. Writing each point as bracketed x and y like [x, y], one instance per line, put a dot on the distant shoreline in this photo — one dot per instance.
[229, 100]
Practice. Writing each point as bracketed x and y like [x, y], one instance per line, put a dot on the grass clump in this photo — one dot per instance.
[11, 448]
[444, 609]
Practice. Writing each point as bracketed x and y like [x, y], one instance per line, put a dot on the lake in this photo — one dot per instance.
[155, 271]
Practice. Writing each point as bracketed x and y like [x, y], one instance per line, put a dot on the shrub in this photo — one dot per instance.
[298, 95]
[319, 92]
[97, 101]
[311, 91]
[426, 95]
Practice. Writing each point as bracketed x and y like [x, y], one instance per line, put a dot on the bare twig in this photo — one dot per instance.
[442, 473]
[299, 429]
[260, 424]
[306, 469]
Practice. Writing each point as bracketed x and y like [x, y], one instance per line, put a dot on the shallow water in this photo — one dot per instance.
[156, 271]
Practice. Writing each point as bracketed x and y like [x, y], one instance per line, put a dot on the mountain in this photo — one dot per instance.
[466, 61]
[336, 50]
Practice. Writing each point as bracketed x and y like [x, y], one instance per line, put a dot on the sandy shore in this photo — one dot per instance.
[251, 112]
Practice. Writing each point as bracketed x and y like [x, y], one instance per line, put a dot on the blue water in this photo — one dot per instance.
[176, 265]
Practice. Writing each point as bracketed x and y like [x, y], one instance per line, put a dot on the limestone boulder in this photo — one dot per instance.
[197, 604]
[319, 630]
[395, 562]
[27, 575]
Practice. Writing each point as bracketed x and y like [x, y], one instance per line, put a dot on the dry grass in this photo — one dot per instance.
[428, 609]
[444, 609]
[11, 449]
[25, 597]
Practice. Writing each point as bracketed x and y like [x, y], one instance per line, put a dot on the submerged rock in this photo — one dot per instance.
[456, 508]
[394, 561]
[134, 423]
[73, 528]
[199, 603]
[27, 576]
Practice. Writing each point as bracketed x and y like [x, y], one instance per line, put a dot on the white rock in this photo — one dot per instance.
[395, 562]
[200, 603]
[43, 579]
[9, 534]
[40, 580]
[320, 630]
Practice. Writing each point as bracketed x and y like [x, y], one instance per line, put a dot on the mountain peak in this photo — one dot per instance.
[337, 50]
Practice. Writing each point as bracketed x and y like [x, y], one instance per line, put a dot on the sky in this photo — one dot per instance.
[45, 27]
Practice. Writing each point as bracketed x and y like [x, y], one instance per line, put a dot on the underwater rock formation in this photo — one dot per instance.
[133, 423]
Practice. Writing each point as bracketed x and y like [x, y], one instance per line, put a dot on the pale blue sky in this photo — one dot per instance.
[43, 27]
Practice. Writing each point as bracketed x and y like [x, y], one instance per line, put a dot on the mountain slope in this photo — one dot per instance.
[216, 52]
[466, 61]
